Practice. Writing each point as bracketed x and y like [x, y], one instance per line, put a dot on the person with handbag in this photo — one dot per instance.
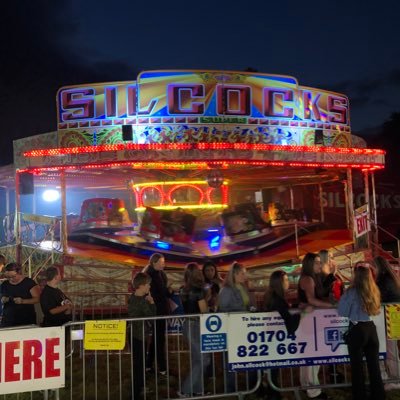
[361, 301]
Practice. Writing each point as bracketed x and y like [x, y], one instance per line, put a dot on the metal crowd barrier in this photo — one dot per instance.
[109, 374]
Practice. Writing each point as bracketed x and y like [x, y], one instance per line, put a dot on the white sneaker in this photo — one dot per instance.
[392, 386]
[183, 395]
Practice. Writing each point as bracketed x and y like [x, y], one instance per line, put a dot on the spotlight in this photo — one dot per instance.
[51, 195]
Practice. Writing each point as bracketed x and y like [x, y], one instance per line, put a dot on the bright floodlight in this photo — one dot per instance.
[51, 195]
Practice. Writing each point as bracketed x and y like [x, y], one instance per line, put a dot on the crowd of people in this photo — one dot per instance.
[320, 285]
[19, 295]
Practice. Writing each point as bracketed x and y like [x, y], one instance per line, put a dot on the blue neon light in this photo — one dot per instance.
[215, 242]
[163, 245]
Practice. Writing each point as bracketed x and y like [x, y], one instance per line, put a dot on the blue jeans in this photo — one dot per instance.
[194, 382]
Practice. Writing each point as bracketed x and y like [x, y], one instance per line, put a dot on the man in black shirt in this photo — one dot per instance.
[56, 306]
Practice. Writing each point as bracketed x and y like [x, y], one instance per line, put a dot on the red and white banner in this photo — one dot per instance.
[361, 222]
[32, 359]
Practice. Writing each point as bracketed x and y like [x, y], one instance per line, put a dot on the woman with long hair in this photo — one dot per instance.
[310, 291]
[389, 287]
[213, 283]
[161, 293]
[234, 296]
[361, 301]
[193, 297]
[387, 281]
[333, 287]
[274, 300]
[332, 282]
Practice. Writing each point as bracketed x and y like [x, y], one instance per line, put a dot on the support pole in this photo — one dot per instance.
[63, 228]
[7, 234]
[321, 203]
[17, 221]
[366, 194]
[291, 198]
[373, 209]
[346, 202]
[350, 199]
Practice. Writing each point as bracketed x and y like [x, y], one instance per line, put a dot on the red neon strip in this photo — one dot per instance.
[200, 146]
[185, 185]
[224, 192]
[142, 191]
[202, 165]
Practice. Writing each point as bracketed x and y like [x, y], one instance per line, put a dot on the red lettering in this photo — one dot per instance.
[233, 100]
[180, 99]
[358, 226]
[362, 224]
[338, 106]
[11, 360]
[80, 102]
[51, 357]
[274, 100]
[32, 351]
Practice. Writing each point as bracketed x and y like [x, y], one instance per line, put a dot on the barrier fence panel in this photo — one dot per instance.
[96, 368]
[192, 356]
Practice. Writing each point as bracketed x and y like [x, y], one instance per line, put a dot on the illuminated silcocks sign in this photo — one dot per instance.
[196, 97]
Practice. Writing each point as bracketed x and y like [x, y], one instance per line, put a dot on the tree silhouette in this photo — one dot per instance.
[388, 139]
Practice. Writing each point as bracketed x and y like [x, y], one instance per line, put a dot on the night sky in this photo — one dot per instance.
[347, 46]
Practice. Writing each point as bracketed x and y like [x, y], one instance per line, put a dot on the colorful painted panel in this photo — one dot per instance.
[193, 106]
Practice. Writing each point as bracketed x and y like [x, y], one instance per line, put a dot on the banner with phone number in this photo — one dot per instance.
[260, 340]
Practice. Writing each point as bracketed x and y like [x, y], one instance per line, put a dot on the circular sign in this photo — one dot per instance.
[213, 323]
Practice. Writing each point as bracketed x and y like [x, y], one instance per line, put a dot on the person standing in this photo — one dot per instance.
[193, 297]
[19, 296]
[332, 282]
[389, 287]
[361, 301]
[234, 296]
[274, 300]
[161, 293]
[333, 287]
[213, 282]
[141, 304]
[56, 306]
[310, 291]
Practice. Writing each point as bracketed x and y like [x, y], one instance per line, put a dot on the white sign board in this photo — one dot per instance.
[213, 332]
[32, 359]
[260, 340]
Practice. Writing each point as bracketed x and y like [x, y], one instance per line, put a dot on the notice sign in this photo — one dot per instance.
[392, 312]
[361, 222]
[32, 359]
[104, 335]
[213, 332]
[260, 340]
